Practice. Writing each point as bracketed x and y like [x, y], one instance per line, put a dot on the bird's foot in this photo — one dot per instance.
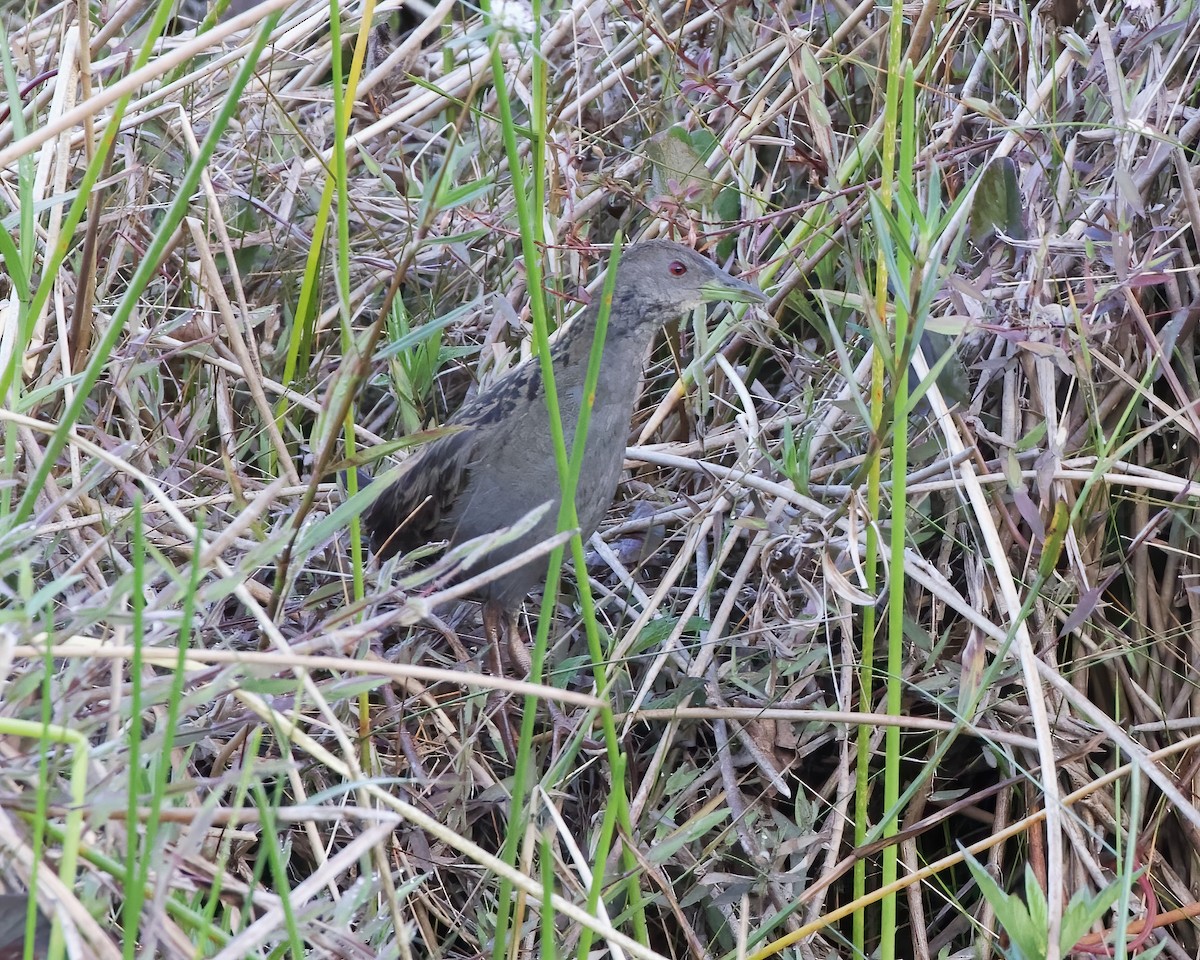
[564, 728]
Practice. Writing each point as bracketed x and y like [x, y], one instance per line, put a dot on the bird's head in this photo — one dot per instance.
[670, 278]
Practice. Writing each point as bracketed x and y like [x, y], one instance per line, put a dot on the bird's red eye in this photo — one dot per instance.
[677, 269]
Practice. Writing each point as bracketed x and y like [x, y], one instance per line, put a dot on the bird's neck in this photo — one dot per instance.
[632, 325]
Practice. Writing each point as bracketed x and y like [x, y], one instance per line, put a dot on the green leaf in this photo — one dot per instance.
[14, 266]
[417, 336]
[677, 167]
[997, 204]
[1028, 939]
[458, 196]
[664, 849]
[655, 633]
[1030, 440]
[1083, 911]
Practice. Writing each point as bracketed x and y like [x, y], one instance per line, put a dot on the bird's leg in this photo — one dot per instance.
[492, 615]
[518, 649]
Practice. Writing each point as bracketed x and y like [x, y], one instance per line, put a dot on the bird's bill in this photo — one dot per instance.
[732, 290]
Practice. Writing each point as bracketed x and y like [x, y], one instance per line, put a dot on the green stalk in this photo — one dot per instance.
[138, 875]
[531, 238]
[862, 776]
[1061, 523]
[899, 525]
[1127, 857]
[549, 938]
[337, 180]
[618, 798]
[131, 909]
[531, 234]
[600, 859]
[871, 557]
[71, 833]
[342, 259]
[275, 863]
[887, 933]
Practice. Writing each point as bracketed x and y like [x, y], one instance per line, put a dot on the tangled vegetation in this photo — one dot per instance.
[889, 645]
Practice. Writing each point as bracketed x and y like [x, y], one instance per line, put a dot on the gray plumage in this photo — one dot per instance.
[12, 928]
[500, 463]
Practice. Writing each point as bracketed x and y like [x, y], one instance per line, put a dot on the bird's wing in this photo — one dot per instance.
[424, 503]
[416, 509]
[496, 405]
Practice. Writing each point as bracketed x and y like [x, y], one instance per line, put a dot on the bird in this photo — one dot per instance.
[498, 462]
[13, 907]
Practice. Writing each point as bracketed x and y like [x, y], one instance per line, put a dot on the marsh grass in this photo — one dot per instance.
[846, 611]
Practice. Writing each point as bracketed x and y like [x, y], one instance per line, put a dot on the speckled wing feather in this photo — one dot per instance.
[420, 506]
[410, 513]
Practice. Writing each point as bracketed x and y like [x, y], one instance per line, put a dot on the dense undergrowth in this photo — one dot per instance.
[854, 616]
